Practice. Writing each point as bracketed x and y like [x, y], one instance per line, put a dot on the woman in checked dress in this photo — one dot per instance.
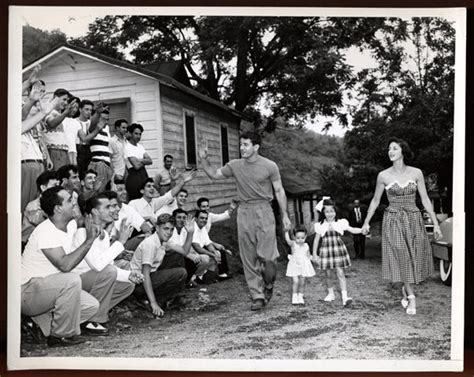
[406, 249]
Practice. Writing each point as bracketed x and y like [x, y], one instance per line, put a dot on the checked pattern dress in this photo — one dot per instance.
[406, 249]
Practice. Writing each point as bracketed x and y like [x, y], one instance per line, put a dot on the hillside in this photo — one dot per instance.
[300, 153]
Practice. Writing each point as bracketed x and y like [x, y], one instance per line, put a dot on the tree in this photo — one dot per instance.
[36, 42]
[294, 64]
[410, 97]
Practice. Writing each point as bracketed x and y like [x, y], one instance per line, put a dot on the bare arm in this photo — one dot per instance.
[146, 160]
[136, 163]
[316, 244]
[186, 177]
[287, 238]
[211, 171]
[155, 308]
[374, 203]
[202, 250]
[66, 262]
[425, 200]
[354, 230]
[281, 198]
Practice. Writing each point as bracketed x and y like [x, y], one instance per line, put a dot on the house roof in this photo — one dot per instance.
[296, 184]
[165, 79]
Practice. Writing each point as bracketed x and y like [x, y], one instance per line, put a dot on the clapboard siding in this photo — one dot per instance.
[96, 80]
[207, 125]
[159, 108]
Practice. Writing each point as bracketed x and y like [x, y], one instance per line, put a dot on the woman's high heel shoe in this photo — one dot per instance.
[404, 299]
[411, 311]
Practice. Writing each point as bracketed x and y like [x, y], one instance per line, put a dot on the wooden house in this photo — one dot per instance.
[158, 96]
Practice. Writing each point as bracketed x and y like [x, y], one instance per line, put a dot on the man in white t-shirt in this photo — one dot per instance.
[149, 204]
[100, 277]
[178, 202]
[181, 242]
[50, 293]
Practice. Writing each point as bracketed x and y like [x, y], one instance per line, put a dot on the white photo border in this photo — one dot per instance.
[15, 362]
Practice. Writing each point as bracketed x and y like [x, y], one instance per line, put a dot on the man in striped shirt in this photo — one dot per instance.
[99, 146]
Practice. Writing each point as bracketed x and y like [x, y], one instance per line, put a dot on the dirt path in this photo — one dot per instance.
[217, 323]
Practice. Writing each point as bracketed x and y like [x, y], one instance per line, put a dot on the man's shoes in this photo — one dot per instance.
[199, 281]
[177, 303]
[223, 277]
[54, 341]
[257, 304]
[268, 292]
[94, 328]
[30, 328]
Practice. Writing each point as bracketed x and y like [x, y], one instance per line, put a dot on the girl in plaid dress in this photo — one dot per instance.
[406, 250]
[333, 254]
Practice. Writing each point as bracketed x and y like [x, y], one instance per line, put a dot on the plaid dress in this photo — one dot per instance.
[333, 251]
[406, 249]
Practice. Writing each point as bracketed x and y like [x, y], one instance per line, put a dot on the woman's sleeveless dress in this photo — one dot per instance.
[406, 249]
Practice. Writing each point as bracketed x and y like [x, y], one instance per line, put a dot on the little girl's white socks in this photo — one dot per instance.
[330, 296]
[345, 300]
[294, 299]
[300, 298]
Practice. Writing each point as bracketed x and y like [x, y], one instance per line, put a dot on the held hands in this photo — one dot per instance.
[365, 229]
[316, 259]
[437, 232]
[286, 222]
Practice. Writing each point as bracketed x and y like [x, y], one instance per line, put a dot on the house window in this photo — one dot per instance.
[224, 144]
[190, 139]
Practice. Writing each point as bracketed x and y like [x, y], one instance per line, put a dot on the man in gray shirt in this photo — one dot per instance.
[256, 178]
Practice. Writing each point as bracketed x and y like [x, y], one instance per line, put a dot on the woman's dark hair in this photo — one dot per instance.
[406, 150]
[327, 202]
[50, 198]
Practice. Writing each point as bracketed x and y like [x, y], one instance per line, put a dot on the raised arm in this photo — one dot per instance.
[374, 203]
[51, 123]
[211, 171]
[45, 109]
[425, 200]
[281, 198]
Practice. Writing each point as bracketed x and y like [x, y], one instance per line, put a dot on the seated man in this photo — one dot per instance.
[107, 283]
[160, 285]
[203, 204]
[89, 184]
[148, 205]
[203, 245]
[142, 227]
[178, 202]
[33, 214]
[50, 293]
[195, 264]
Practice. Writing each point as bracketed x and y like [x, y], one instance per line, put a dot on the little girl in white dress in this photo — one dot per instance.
[299, 264]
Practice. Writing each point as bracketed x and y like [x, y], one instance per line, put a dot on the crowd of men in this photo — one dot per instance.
[96, 229]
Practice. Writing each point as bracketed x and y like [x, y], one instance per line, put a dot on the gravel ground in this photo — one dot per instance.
[217, 323]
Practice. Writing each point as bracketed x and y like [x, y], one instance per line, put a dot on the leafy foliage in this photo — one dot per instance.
[36, 42]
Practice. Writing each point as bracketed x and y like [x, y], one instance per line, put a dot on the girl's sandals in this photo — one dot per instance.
[411, 311]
